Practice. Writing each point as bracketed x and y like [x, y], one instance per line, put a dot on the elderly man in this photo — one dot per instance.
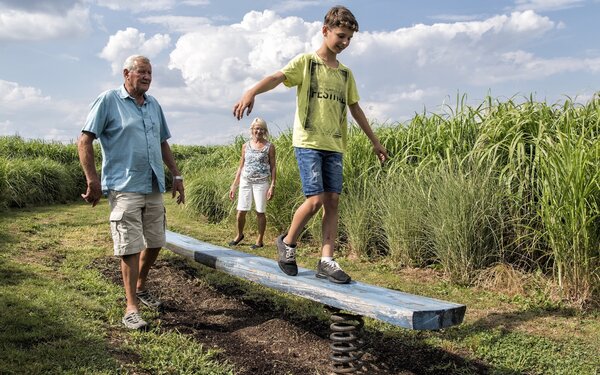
[133, 133]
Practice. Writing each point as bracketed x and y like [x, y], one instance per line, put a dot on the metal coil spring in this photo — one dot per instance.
[346, 342]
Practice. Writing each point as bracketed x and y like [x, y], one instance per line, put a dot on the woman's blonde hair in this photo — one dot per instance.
[261, 124]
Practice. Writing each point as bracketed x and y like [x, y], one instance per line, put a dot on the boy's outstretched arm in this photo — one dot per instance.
[361, 120]
[247, 100]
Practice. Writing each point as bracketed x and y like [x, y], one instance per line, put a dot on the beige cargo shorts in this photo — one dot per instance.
[137, 221]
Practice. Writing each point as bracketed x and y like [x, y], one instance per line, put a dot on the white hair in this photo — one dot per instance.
[260, 123]
[129, 63]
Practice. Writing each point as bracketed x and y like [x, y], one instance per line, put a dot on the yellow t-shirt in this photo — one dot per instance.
[323, 95]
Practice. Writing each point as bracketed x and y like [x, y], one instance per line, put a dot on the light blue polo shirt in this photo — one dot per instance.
[130, 136]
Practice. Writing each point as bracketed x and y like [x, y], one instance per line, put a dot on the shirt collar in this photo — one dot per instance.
[124, 94]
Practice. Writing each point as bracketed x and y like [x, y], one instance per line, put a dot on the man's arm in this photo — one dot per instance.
[85, 149]
[247, 100]
[169, 161]
[361, 120]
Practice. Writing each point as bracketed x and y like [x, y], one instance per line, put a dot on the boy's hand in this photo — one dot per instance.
[247, 101]
[381, 153]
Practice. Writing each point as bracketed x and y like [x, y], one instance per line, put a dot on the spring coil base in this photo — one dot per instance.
[346, 343]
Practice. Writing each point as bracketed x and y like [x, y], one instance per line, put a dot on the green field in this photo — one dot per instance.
[494, 206]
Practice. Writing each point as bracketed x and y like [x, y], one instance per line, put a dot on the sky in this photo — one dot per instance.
[409, 57]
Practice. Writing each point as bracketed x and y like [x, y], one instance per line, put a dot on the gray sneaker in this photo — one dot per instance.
[148, 299]
[286, 257]
[133, 320]
[333, 272]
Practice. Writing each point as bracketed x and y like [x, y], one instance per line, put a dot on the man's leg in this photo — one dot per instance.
[147, 259]
[130, 273]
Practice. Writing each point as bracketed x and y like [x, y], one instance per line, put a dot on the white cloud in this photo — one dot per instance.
[14, 97]
[196, 2]
[521, 65]
[396, 70]
[455, 17]
[178, 23]
[547, 5]
[24, 110]
[146, 6]
[131, 41]
[137, 6]
[17, 24]
[54, 6]
[218, 62]
[295, 5]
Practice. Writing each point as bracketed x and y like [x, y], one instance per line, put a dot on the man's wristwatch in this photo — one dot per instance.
[180, 178]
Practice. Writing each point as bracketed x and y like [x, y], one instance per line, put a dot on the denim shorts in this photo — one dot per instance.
[320, 171]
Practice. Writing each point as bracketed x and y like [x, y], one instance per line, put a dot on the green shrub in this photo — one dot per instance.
[208, 194]
[38, 181]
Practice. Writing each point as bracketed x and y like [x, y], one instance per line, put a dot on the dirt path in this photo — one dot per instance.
[258, 340]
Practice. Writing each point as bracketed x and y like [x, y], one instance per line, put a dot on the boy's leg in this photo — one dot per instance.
[303, 214]
[327, 267]
[330, 223]
[287, 250]
[310, 163]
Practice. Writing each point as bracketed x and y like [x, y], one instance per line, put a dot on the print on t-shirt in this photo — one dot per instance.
[329, 85]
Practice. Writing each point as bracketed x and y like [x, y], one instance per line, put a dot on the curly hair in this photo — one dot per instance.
[340, 16]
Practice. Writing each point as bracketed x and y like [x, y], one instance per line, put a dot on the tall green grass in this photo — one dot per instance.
[15, 147]
[512, 181]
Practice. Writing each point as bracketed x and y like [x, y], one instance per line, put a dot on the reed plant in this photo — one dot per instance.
[463, 220]
[357, 223]
[207, 194]
[506, 182]
[4, 194]
[403, 204]
[509, 144]
[15, 147]
[38, 181]
[569, 211]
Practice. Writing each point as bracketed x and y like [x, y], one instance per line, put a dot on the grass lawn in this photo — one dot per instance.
[59, 315]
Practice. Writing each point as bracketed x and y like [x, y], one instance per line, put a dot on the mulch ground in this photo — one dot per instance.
[259, 340]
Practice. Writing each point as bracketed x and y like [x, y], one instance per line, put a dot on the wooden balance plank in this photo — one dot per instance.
[390, 306]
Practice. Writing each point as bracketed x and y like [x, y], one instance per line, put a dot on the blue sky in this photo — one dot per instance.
[409, 56]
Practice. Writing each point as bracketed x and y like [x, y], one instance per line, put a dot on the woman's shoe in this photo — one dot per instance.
[235, 242]
[255, 246]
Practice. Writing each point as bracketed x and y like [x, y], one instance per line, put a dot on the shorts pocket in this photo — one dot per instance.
[118, 228]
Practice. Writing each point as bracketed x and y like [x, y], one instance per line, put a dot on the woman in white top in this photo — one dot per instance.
[256, 180]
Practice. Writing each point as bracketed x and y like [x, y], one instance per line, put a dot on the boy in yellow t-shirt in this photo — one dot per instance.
[325, 90]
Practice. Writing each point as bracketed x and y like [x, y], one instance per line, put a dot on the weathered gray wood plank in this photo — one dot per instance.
[391, 306]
